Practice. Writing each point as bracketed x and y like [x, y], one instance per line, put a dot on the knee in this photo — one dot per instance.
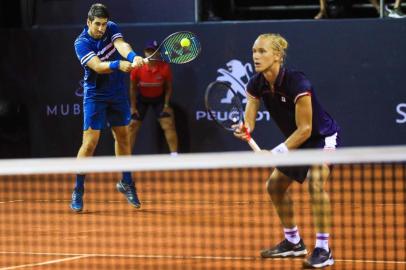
[315, 187]
[167, 123]
[273, 190]
[318, 176]
[121, 136]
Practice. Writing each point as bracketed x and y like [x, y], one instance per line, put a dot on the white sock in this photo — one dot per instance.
[292, 234]
[322, 240]
[174, 154]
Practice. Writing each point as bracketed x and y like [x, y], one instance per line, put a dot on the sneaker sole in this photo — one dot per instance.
[138, 206]
[287, 254]
[329, 262]
[76, 210]
[122, 191]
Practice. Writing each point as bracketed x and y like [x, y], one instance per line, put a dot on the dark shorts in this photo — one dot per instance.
[157, 105]
[96, 114]
[299, 173]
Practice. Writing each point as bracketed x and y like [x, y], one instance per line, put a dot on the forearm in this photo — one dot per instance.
[303, 118]
[103, 68]
[124, 49]
[251, 111]
[298, 137]
[127, 52]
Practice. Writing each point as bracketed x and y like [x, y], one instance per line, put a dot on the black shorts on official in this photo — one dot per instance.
[157, 105]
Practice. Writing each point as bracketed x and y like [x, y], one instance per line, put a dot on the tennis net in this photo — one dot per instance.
[199, 211]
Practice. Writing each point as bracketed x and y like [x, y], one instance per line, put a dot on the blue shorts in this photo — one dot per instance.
[299, 173]
[96, 114]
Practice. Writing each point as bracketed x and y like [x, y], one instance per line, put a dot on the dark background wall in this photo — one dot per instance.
[62, 12]
[356, 66]
[357, 73]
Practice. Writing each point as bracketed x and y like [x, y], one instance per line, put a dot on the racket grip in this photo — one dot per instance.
[145, 60]
[254, 145]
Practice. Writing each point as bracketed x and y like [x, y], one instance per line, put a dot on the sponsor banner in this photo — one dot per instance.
[368, 104]
[237, 75]
[401, 111]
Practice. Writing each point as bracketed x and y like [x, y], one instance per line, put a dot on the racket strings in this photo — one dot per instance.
[173, 52]
[224, 105]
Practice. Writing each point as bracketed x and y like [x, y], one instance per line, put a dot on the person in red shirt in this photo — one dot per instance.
[151, 87]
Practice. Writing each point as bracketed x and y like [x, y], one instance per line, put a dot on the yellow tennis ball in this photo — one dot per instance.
[185, 42]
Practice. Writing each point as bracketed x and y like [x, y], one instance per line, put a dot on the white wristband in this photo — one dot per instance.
[280, 149]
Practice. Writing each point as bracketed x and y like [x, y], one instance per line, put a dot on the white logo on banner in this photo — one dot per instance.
[66, 109]
[237, 75]
[401, 110]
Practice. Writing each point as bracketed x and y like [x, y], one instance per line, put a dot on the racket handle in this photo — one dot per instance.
[145, 60]
[254, 145]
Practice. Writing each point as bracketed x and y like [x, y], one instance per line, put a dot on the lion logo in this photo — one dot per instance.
[237, 75]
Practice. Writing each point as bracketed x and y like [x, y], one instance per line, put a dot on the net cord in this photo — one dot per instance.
[215, 160]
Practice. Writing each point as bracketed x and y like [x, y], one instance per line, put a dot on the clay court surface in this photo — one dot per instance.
[196, 220]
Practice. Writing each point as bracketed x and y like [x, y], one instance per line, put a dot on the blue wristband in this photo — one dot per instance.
[114, 65]
[131, 55]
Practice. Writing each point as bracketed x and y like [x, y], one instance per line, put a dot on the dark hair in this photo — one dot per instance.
[98, 10]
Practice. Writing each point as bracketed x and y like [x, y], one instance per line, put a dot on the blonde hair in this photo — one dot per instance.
[278, 43]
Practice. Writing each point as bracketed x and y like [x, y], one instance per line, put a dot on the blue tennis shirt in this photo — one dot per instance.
[101, 87]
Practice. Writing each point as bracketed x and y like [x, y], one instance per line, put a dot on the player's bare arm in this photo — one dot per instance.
[251, 111]
[303, 117]
[124, 49]
[105, 67]
[99, 66]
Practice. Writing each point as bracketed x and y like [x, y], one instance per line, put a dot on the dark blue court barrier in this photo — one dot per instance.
[357, 68]
[62, 12]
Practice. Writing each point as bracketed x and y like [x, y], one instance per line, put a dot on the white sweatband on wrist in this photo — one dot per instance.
[280, 149]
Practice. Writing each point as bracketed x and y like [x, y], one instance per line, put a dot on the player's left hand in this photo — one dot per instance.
[125, 66]
[241, 131]
[137, 62]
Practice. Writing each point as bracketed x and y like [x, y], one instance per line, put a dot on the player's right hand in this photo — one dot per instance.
[137, 62]
[125, 66]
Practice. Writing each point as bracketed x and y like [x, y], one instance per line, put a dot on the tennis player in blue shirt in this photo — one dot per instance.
[100, 48]
[289, 97]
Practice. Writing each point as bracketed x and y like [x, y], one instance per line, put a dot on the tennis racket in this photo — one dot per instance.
[225, 107]
[178, 48]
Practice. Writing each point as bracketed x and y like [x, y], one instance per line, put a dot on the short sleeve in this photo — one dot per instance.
[114, 31]
[299, 86]
[252, 88]
[83, 51]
